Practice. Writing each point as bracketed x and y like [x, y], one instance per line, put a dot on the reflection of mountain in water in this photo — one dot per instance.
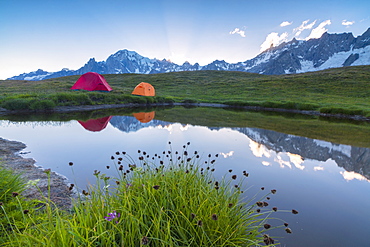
[131, 124]
[350, 158]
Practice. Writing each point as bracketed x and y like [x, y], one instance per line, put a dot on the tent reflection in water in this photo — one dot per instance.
[91, 81]
[144, 89]
[144, 117]
[95, 125]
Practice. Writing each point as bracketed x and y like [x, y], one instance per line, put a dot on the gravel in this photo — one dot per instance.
[10, 158]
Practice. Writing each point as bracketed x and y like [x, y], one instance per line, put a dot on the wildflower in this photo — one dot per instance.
[268, 198]
[124, 153]
[274, 208]
[108, 167]
[216, 155]
[1, 203]
[268, 240]
[85, 192]
[188, 143]
[113, 215]
[230, 170]
[188, 159]
[233, 176]
[156, 187]
[193, 215]
[288, 230]
[262, 188]
[120, 167]
[120, 159]
[267, 226]
[96, 172]
[273, 191]
[217, 187]
[185, 153]
[213, 169]
[169, 143]
[259, 204]
[117, 153]
[200, 223]
[294, 211]
[286, 224]
[145, 240]
[258, 210]
[265, 204]
[141, 158]
[213, 161]
[15, 194]
[230, 205]
[112, 157]
[214, 217]
[47, 171]
[118, 182]
[26, 211]
[70, 163]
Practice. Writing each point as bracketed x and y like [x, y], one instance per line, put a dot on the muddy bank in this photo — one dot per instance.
[10, 158]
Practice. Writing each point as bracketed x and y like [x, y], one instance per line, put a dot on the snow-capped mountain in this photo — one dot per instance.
[296, 56]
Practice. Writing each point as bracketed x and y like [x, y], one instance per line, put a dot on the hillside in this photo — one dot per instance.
[340, 88]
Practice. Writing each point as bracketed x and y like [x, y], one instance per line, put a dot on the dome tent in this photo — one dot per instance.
[144, 89]
[92, 81]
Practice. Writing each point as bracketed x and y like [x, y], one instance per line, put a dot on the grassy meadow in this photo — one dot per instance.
[338, 91]
[155, 200]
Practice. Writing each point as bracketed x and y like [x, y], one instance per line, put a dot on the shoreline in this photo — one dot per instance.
[64, 109]
[10, 158]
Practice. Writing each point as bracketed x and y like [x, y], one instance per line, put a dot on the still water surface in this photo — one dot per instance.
[328, 183]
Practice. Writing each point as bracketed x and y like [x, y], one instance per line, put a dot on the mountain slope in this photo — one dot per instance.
[296, 56]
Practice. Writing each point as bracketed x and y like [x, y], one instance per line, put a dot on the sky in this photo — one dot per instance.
[53, 34]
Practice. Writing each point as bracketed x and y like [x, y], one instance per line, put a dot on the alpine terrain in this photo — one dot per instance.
[295, 56]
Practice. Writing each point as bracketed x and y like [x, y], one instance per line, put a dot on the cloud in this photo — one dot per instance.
[238, 31]
[319, 31]
[347, 23]
[273, 39]
[305, 25]
[285, 23]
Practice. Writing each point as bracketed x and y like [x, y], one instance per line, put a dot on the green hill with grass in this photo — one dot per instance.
[338, 91]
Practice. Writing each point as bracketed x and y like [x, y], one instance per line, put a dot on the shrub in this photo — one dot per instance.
[42, 105]
[17, 104]
[72, 98]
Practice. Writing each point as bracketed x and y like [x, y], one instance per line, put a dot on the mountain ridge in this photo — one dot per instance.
[295, 56]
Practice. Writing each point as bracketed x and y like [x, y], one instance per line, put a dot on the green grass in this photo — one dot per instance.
[344, 90]
[160, 201]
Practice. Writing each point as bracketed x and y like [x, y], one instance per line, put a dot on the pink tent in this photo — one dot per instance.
[92, 81]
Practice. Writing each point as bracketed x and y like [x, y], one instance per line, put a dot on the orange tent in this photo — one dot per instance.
[144, 89]
[144, 117]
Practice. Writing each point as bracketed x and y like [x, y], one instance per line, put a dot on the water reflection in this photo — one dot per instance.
[95, 125]
[144, 117]
[355, 160]
[325, 181]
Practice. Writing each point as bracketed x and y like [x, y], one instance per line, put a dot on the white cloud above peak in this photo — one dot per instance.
[347, 23]
[305, 25]
[285, 23]
[273, 39]
[238, 31]
[319, 30]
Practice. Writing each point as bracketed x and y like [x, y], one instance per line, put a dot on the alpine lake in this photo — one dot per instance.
[318, 166]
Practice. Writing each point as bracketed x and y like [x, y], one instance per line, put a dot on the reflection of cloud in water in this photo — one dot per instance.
[282, 162]
[352, 175]
[318, 168]
[231, 153]
[266, 163]
[297, 160]
[259, 150]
